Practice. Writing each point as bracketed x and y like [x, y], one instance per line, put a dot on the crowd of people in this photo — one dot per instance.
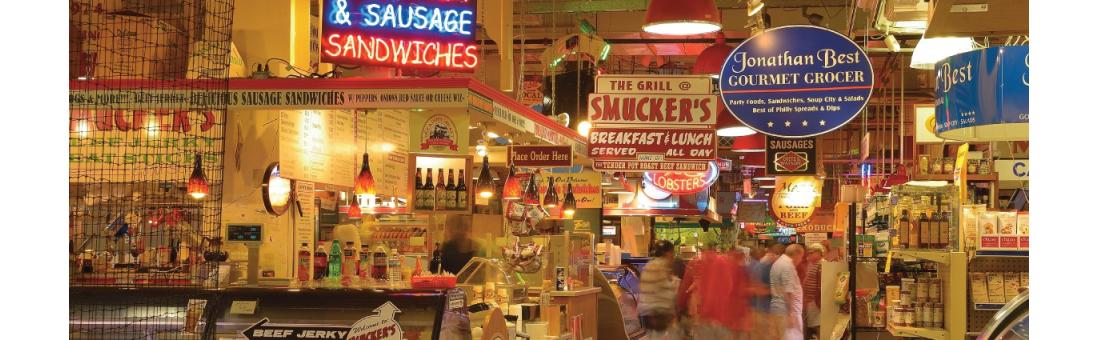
[741, 293]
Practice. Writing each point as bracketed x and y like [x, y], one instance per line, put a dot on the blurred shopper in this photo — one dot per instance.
[739, 309]
[656, 305]
[811, 286]
[765, 325]
[706, 295]
[787, 296]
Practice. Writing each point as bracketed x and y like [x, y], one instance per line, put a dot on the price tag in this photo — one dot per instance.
[242, 307]
[888, 262]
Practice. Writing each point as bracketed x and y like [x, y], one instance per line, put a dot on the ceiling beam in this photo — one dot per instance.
[571, 6]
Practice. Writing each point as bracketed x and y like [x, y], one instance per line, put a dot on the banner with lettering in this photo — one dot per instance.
[982, 87]
[652, 123]
[796, 81]
[121, 145]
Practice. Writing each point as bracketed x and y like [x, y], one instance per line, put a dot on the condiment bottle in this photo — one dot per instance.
[904, 229]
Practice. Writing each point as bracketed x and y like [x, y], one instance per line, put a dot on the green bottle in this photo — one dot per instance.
[335, 262]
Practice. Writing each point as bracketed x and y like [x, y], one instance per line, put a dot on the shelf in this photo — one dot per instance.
[949, 177]
[929, 333]
[940, 256]
[1002, 253]
[988, 306]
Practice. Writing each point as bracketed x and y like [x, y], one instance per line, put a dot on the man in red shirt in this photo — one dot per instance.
[811, 284]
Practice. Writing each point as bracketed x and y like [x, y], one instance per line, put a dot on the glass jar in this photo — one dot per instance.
[922, 290]
[947, 165]
[938, 316]
[985, 167]
[928, 315]
[936, 166]
[935, 290]
[973, 166]
[908, 317]
[905, 298]
[924, 165]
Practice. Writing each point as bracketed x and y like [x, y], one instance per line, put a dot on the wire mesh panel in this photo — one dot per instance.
[148, 80]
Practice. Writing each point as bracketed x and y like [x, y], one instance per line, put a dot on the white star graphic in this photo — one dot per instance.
[787, 123]
[770, 124]
[804, 123]
[822, 122]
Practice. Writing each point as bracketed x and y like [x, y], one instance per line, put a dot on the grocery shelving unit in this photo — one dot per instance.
[954, 272]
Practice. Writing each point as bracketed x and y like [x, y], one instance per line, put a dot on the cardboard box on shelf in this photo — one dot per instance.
[126, 47]
[996, 288]
[1023, 223]
[1008, 222]
[203, 61]
[1023, 242]
[1008, 242]
[1012, 283]
[989, 242]
[978, 282]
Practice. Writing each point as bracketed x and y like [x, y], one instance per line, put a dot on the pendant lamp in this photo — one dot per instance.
[364, 183]
[729, 126]
[551, 200]
[354, 211]
[931, 50]
[512, 188]
[749, 143]
[569, 205]
[531, 194]
[676, 17]
[197, 186]
[711, 59]
[485, 187]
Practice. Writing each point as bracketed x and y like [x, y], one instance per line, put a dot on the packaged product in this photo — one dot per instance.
[1012, 282]
[996, 289]
[1008, 242]
[989, 223]
[1007, 221]
[969, 217]
[841, 288]
[978, 282]
[892, 293]
[1023, 223]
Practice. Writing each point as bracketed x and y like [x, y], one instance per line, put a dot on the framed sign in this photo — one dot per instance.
[790, 156]
[796, 81]
[795, 198]
[540, 156]
[425, 34]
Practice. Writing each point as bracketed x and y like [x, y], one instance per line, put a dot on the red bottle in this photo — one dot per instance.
[304, 258]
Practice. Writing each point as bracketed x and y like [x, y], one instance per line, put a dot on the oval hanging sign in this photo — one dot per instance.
[683, 183]
[796, 81]
[795, 199]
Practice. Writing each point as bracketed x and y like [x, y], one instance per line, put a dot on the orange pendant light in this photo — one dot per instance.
[197, 185]
[531, 194]
[512, 188]
[364, 183]
[677, 17]
[354, 211]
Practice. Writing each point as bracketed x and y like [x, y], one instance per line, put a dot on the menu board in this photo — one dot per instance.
[386, 134]
[317, 146]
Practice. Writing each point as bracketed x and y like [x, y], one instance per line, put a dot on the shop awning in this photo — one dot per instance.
[317, 94]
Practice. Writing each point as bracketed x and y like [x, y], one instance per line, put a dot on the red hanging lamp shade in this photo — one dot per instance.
[551, 199]
[354, 211]
[364, 182]
[531, 194]
[197, 185]
[677, 17]
[752, 160]
[711, 59]
[749, 143]
[729, 126]
[512, 188]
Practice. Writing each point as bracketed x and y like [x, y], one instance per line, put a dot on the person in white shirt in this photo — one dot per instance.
[788, 297]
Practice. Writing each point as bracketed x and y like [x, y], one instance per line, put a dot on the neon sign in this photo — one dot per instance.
[683, 183]
[429, 34]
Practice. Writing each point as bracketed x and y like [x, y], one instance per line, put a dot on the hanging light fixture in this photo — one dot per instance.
[551, 200]
[749, 143]
[754, 6]
[568, 208]
[931, 50]
[531, 194]
[354, 211]
[711, 59]
[364, 183]
[729, 126]
[675, 17]
[584, 128]
[197, 186]
[485, 187]
[512, 188]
